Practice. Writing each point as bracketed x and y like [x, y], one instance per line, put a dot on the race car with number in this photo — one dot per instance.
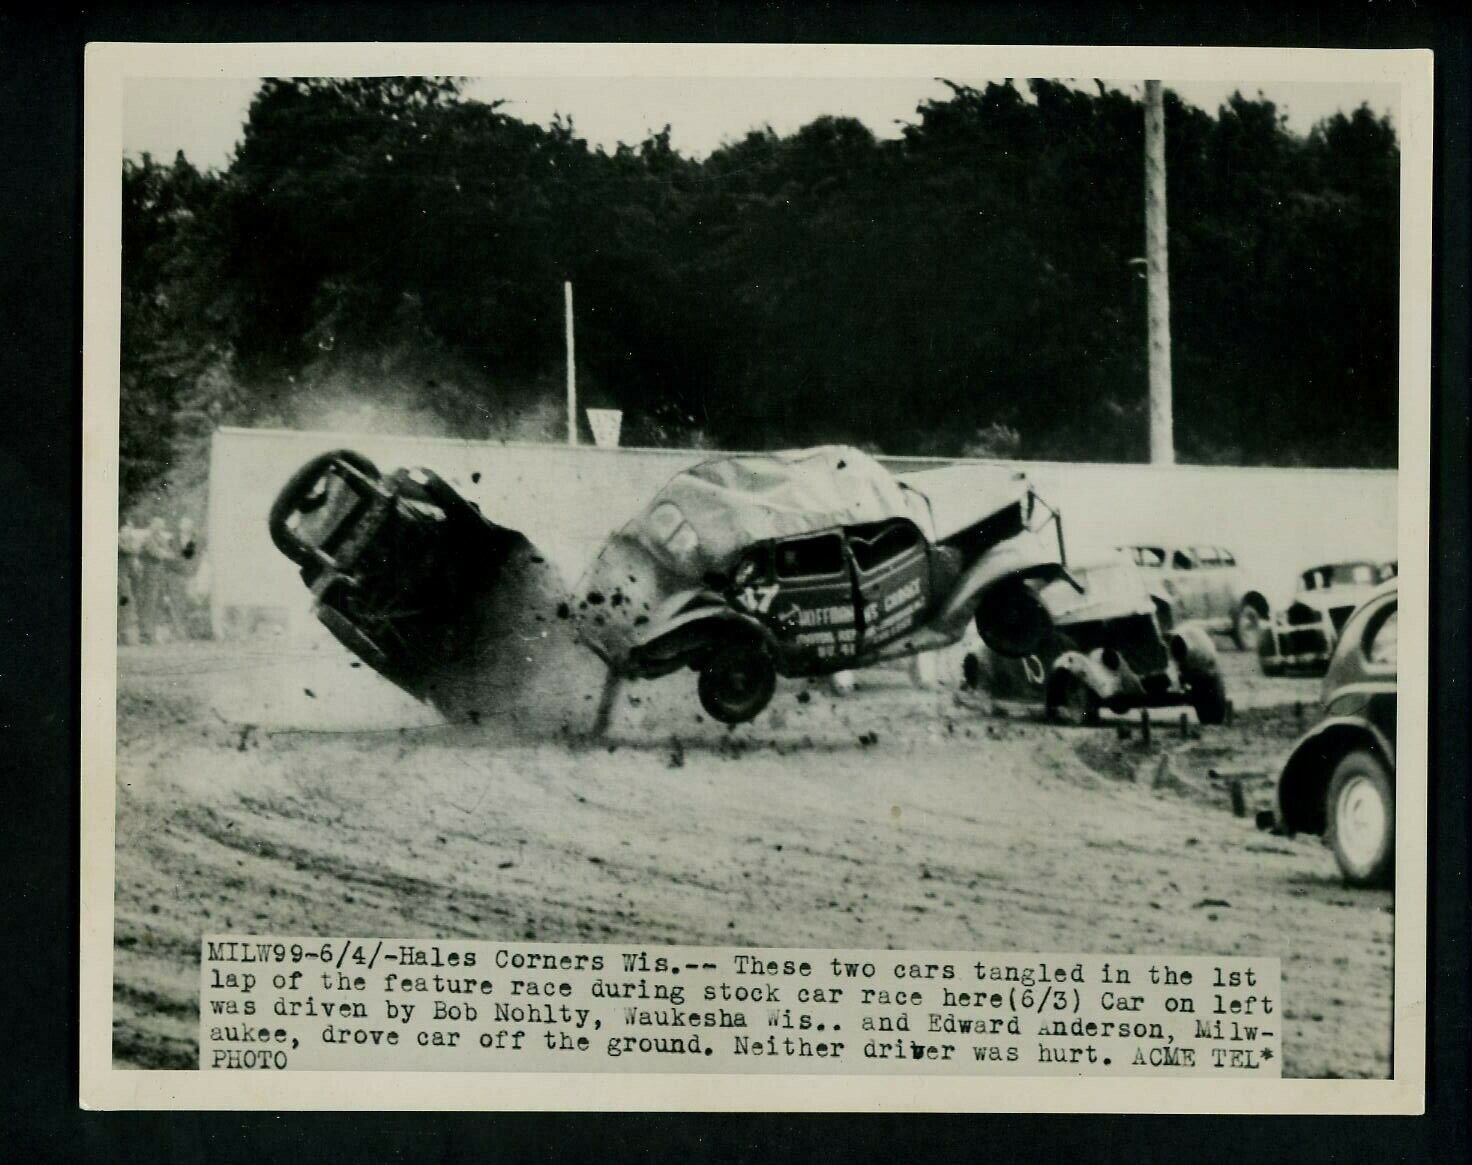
[811, 562]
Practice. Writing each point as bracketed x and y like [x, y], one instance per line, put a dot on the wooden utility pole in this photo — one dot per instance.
[1157, 281]
[572, 367]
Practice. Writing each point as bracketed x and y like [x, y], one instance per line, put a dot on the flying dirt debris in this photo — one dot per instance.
[742, 568]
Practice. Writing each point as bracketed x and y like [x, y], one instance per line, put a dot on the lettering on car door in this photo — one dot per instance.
[894, 580]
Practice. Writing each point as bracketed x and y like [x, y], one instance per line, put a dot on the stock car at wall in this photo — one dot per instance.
[812, 562]
[1207, 586]
[1303, 634]
[1113, 646]
[1339, 780]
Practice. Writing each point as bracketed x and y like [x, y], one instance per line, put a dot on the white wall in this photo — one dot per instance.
[568, 501]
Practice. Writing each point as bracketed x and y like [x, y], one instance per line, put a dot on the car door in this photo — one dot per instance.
[1214, 599]
[1184, 583]
[892, 566]
[812, 605]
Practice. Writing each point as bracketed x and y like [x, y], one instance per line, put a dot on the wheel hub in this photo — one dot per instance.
[1360, 820]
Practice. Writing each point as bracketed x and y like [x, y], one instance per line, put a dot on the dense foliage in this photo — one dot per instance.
[388, 249]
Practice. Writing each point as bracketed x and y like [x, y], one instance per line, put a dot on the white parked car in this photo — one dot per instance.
[1206, 586]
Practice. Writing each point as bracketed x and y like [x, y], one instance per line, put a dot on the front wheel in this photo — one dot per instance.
[737, 682]
[1208, 696]
[1012, 621]
[1361, 819]
[1247, 627]
[1073, 701]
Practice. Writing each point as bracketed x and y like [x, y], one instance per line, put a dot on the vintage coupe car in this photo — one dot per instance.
[396, 563]
[812, 562]
[1339, 780]
[1114, 646]
[1304, 633]
[1207, 586]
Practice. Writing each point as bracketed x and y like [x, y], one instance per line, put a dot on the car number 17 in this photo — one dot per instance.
[758, 599]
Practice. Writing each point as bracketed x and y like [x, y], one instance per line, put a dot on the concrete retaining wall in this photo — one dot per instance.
[567, 500]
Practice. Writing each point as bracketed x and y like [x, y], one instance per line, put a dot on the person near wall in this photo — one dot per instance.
[159, 556]
[179, 580]
[130, 582]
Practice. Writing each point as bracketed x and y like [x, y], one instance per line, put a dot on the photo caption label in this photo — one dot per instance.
[324, 1004]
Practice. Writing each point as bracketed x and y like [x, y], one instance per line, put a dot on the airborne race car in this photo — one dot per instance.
[741, 568]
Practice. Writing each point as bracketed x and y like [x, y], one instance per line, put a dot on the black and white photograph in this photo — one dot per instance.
[957, 505]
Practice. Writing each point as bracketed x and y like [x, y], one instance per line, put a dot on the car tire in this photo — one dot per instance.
[737, 682]
[1208, 695]
[971, 673]
[1247, 627]
[1012, 620]
[291, 495]
[1070, 699]
[1360, 815]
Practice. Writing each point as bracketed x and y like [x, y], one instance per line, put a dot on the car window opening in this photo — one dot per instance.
[810, 557]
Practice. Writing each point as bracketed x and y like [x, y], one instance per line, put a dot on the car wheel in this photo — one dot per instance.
[1208, 696]
[1361, 819]
[737, 682]
[1247, 627]
[1073, 702]
[1012, 621]
[971, 671]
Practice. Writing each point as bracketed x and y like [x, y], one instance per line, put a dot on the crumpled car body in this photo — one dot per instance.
[1114, 646]
[1303, 634]
[1339, 779]
[811, 562]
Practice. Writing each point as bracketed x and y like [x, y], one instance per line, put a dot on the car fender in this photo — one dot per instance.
[1304, 778]
[1026, 556]
[1193, 650]
[683, 626]
[1105, 682]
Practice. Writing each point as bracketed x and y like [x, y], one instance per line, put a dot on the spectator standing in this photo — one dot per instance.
[159, 555]
[130, 582]
[182, 569]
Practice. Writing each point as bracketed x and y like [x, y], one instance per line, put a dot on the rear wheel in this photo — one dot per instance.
[1012, 620]
[1208, 696]
[1072, 701]
[737, 682]
[1361, 819]
[1247, 626]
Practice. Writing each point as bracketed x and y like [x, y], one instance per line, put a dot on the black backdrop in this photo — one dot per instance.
[40, 140]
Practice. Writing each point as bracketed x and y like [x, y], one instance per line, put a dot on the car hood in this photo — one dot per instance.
[1331, 598]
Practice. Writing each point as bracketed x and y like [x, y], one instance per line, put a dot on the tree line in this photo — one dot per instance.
[389, 251]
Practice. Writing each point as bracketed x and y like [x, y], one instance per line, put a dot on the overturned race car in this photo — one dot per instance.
[812, 562]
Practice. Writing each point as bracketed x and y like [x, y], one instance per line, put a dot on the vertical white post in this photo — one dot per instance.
[1157, 281]
[572, 368]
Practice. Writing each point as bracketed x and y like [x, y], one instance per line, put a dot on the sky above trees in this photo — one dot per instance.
[206, 117]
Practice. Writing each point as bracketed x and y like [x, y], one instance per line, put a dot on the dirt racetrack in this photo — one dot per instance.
[263, 788]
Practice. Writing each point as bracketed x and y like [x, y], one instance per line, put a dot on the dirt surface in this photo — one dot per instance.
[266, 788]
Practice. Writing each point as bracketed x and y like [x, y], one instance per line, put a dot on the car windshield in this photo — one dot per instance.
[1341, 574]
